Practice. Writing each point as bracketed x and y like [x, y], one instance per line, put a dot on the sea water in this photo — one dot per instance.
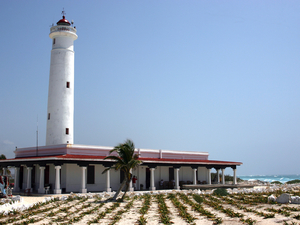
[271, 178]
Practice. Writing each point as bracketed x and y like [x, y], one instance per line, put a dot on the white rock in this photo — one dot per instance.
[284, 198]
[295, 199]
[271, 198]
[63, 198]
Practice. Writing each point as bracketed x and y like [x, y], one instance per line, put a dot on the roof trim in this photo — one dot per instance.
[85, 158]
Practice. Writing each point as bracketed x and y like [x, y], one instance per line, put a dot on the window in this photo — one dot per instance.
[67, 130]
[48, 116]
[54, 41]
[90, 174]
[68, 84]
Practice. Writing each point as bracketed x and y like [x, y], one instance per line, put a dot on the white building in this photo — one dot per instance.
[67, 167]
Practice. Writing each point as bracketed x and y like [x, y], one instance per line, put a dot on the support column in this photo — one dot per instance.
[4, 172]
[209, 175]
[223, 176]
[41, 189]
[83, 180]
[152, 186]
[234, 176]
[218, 176]
[130, 183]
[29, 178]
[108, 189]
[195, 176]
[177, 187]
[16, 183]
[57, 189]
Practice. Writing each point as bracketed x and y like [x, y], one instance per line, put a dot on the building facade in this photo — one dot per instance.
[78, 168]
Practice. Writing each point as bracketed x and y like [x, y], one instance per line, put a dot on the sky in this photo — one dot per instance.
[215, 76]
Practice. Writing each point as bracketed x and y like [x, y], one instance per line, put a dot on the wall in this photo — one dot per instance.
[185, 174]
[202, 174]
[73, 177]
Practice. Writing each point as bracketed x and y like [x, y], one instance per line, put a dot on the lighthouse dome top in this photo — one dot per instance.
[63, 22]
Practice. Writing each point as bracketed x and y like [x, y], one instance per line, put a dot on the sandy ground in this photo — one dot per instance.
[132, 215]
[27, 200]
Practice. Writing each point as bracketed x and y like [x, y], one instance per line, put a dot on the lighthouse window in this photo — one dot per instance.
[54, 41]
[67, 130]
[48, 116]
[68, 84]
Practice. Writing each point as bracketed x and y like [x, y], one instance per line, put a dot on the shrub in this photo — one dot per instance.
[227, 177]
[198, 198]
[276, 182]
[220, 192]
[293, 181]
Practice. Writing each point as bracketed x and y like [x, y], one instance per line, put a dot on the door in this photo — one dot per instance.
[46, 171]
[147, 178]
[171, 174]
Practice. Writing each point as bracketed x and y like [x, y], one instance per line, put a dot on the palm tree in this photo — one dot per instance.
[125, 161]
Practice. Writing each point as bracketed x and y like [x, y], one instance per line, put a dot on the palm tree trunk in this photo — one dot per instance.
[126, 190]
[127, 186]
[119, 190]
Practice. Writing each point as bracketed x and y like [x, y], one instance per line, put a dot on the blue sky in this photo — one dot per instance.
[214, 76]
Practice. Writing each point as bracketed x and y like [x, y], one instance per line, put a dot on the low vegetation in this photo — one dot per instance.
[293, 181]
[276, 182]
[220, 192]
[165, 208]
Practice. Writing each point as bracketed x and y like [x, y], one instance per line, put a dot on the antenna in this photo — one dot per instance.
[63, 12]
[37, 135]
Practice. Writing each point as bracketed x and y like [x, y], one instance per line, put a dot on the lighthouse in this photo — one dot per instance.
[60, 111]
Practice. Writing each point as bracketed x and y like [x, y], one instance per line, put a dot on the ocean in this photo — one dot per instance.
[271, 178]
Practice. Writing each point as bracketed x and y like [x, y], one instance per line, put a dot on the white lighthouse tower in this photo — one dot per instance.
[60, 118]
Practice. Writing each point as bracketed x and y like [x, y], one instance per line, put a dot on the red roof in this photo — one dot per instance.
[189, 160]
[63, 21]
[100, 158]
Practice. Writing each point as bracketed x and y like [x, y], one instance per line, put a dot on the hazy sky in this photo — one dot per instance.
[216, 76]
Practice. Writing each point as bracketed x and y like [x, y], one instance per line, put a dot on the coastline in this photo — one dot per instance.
[283, 178]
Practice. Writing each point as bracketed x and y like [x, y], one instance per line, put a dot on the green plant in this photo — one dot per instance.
[163, 210]
[217, 220]
[248, 221]
[142, 220]
[269, 215]
[220, 192]
[182, 210]
[117, 216]
[146, 204]
[198, 207]
[217, 204]
[198, 198]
